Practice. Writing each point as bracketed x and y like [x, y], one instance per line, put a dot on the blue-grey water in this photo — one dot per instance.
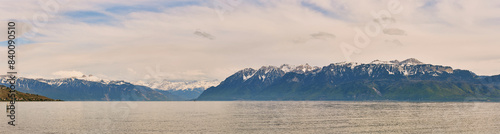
[254, 117]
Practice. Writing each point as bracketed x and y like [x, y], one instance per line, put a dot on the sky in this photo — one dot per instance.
[185, 40]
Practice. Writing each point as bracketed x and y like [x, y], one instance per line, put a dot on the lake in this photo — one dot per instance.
[254, 117]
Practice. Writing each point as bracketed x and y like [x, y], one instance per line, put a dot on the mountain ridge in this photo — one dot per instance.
[82, 89]
[377, 80]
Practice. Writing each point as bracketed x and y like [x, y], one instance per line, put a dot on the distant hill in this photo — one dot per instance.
[4, 91]
[408, 80]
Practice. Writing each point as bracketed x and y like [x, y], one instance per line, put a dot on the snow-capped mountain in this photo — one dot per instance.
[89, 88]
[90, 78]
[185, 89]
[410, 61]
[178, 85]
[351, 81]
[298, 69]
[375, 68]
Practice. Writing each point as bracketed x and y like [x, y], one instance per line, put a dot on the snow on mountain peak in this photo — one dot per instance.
[300, 68]
[91, 78]
[268, 69]
[246, 77]
[305, 68]
[178, 85]
[247, 73]
[287, 68]
[351, 64]
[410, 61]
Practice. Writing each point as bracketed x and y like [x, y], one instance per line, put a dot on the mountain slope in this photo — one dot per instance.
[20, 96]
[409, 80]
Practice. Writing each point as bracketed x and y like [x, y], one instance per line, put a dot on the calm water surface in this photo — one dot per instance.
[254, 117]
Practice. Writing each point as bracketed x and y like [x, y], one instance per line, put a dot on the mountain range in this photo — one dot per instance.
[91, 88]
[407, 80]
[80, 89]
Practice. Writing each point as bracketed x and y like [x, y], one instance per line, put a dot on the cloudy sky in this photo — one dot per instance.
[211, 39]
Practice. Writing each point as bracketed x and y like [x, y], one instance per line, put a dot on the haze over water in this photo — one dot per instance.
[254, 117]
